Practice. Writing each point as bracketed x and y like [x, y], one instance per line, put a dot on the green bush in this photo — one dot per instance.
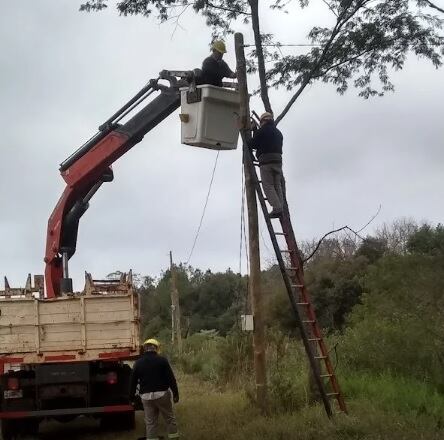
[398, 327]
[200, 355]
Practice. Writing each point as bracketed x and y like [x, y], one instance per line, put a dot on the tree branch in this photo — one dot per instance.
[260, 55]
[432, 5]
[324, 237]
[341, 20]
[344, 228]
[340, 63]
[223, 8]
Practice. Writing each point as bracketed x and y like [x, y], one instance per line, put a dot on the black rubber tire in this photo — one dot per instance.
[9, 429]
[31, 428]
[119, 421]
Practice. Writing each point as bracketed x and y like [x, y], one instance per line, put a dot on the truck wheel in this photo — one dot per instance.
[128, 420]
[31, 428]
[119, 421]
[9, 429]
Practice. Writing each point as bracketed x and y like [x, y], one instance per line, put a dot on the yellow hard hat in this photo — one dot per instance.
[154, 342]
[219, 45]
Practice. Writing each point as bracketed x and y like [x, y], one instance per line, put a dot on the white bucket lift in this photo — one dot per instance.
[209, 117]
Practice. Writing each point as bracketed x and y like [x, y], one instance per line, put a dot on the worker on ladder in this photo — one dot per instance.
[214, 68]
[157, 389]
[267, 141]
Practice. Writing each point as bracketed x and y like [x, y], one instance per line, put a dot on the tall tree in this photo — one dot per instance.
[366, 40]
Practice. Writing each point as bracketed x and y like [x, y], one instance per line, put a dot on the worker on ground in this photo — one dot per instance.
[157, 389]
[267, 141]
[214, 68]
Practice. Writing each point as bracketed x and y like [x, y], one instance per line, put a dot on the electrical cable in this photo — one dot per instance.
[239, 287]
[204, 209]
[244, 232]
[284, 45]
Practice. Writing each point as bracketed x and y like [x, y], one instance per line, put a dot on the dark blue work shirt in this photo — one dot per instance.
[267, 139]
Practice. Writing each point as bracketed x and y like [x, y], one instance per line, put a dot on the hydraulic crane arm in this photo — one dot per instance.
[90, 166]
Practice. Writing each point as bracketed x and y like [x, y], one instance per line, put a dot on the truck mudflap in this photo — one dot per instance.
[67, 412]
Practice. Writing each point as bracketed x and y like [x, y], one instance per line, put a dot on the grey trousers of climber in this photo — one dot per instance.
[152, 409]
[272, 178]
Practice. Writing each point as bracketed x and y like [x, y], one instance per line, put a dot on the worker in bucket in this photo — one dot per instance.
[267, 141]
[157, 389]
[214, 68]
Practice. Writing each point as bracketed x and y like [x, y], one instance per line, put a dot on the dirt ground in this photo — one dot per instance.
[88, 429]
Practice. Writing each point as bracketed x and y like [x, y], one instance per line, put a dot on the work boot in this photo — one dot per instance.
[275, 213]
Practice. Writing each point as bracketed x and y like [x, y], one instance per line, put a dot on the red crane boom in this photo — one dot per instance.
[90, 166]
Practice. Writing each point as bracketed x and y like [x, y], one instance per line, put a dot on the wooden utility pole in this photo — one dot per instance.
[255, 292]
[176, 334]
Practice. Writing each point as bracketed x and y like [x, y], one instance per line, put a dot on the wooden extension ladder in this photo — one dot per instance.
[291, 266]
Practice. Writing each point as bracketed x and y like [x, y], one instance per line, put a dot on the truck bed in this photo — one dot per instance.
[77, 328]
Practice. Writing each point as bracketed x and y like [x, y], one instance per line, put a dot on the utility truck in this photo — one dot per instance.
[63, 353]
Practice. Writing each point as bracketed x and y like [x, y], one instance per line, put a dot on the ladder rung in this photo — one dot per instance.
[332, 394]
[314, 339]
[291, 268]
[297, 285]
[289, 251]
[326, 375]
[320, 357]
[309, 321]
[280, 233]
[303, 304]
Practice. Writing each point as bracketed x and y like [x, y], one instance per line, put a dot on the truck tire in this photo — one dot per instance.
[9, 429]
[119, 421]
[128, 420]
[20, 429]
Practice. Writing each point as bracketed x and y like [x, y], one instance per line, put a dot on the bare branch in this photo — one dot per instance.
[344, 228]
[324, 237]
[432, 5]
[330, 7]
[341, 63]
[254, 6]
[371, 220]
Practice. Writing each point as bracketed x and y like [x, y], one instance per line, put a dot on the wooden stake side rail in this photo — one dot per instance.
[84, 327]
[304, 313]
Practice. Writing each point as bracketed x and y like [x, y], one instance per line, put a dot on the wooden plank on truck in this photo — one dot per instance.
[87, 326]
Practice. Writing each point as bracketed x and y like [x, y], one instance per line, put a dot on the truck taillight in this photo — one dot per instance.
[13, 383]
[111, 378]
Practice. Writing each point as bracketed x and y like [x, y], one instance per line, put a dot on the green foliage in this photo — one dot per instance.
[201, 356]
[336, 287]
[427, 240]
[373, 248]
[396, 394]
[398, 326]
[208, 301]
[366, 41]
[288, 373]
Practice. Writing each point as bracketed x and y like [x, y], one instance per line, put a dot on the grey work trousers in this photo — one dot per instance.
[272, 177]
[152, 409]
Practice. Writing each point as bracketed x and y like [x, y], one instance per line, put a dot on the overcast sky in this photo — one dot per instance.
[63, 73]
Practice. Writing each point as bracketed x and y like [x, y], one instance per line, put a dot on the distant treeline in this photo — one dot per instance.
[403, 259]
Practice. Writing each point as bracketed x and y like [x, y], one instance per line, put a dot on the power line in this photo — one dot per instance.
[204, 209]
[285, 45]
[241, 300]
[244, 232]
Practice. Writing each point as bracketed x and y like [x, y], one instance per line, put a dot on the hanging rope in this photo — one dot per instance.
[204, 209]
